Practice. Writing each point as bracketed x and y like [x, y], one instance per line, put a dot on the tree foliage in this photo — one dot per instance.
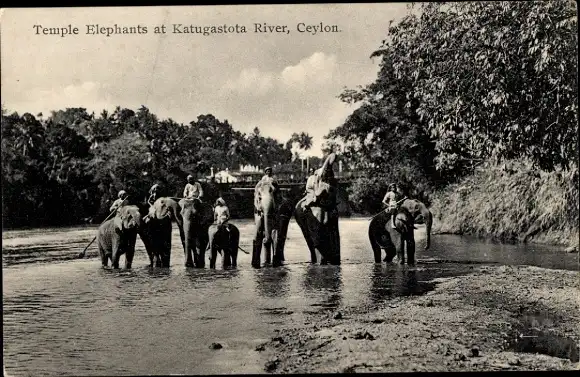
[462, 83]
[73, 163]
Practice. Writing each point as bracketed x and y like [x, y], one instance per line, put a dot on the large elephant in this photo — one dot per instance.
[317, 216]
[156, 230]
[265, 221]
[393, 240]
[117, 236]
[197, 217]
[418, 210]
[226, 242]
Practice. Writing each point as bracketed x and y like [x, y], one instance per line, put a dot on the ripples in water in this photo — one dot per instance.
[74, 318]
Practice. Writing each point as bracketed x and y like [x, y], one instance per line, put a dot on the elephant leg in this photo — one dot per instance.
[129, 258]
[116, 252]
[304, 229]
[411, 251]
[282, 232]
[374, 244]
[227, 258]
[104, 256]
[130, 252]
[213, 257]
[401, 252]
[144, 235]
[391, 252]
[201, 245]
[234, 244]
[269, 245]
[188, 252]
[234, 255]
[257, 242]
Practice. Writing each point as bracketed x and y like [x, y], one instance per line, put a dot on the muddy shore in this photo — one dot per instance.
[497, 318]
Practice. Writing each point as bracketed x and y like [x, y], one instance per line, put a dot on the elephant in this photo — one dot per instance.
[117, 236]
[197, 217]
[156, 230]
[265, 221]
[224, 241]
[317, 216]
[417, 210]
[394, 241]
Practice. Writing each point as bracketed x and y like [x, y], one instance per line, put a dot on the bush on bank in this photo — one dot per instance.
[511, 202]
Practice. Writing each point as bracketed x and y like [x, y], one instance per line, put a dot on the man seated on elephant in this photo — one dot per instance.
[266, 179]
[155, 192]
[121, 201]
[268, 175]
[193, 189]
[310, 188]
[221, 214]
[391, 201]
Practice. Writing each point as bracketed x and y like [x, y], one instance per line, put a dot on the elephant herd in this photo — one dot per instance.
[316, 216]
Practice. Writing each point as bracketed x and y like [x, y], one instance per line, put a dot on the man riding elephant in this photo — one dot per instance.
[193, 189]
[317, 215]
[121, 201]
[155, 192]
[266, 179]
[391, 201]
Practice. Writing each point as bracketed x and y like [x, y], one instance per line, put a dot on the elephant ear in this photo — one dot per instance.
[118, 221]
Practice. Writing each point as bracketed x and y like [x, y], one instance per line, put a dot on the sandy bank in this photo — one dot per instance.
[468, 323]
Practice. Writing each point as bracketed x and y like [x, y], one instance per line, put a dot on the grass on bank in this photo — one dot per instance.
[509, 201]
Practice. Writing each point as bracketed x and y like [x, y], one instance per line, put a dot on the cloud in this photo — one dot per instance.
[315, 70]
[251, 80]
[90, 95]
[310, 73]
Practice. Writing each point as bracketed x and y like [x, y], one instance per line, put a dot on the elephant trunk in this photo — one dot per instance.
[268, 212]
[428, 224]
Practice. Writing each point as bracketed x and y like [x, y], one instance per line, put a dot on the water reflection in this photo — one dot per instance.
[75, 318]
[273, 282]
[324, 282]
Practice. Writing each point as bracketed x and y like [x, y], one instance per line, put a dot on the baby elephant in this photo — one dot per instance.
[118, 235]
[224, 238]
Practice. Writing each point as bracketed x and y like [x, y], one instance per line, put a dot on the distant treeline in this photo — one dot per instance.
[68, 167]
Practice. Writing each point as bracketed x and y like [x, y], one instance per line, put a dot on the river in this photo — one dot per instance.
[70, 317]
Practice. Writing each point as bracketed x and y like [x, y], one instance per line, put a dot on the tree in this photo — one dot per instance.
[491, 79]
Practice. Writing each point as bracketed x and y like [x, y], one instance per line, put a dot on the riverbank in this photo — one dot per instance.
[468, 323]
[513, 202]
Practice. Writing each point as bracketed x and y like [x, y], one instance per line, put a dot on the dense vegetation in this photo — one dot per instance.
[462, 88]
[69, 166]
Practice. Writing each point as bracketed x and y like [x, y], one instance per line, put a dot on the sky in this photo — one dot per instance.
[280, 82]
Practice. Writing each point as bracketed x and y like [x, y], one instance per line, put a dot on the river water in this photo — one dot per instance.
[63, 316]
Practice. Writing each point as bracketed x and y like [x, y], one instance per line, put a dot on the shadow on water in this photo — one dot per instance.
[527, 337]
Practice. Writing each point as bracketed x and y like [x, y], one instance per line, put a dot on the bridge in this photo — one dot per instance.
[287, 182]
